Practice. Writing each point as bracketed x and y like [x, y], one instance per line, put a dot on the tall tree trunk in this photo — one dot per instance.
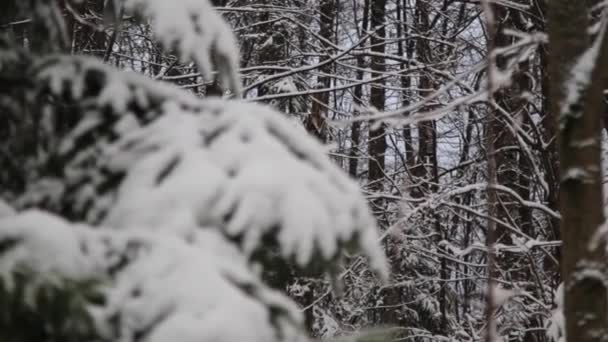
[358, 100]
[425, 84]
[405, 49]
[576, 94]
[377, 139]
[506, 158]
[550, 158]
[316, 121]
[441, 235]
[492, 199]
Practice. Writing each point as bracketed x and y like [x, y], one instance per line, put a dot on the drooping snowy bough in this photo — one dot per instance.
[148, 285]
[146, 154]
[195, 31]
[178, 199]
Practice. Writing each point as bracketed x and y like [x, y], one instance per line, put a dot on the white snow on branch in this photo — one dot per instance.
[163, 159]
[245, 169]
[155, 285]
[5, 209]
[195, 30]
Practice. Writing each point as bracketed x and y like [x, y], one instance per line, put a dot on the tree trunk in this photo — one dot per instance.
[316, 121]
[357, 99]
[579, 105]
[425, 84]
[377, 139]
[407, 52]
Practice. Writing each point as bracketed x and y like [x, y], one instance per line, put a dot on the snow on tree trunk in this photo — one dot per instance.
[576, 75]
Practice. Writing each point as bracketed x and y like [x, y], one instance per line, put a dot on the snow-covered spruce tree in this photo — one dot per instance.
[145, 213]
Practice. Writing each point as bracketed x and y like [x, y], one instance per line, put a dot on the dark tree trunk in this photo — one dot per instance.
[316, 121]
[579, 150]
[358, 100]
[377, 139]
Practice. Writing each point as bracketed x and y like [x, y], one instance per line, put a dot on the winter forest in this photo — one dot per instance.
[303, 170]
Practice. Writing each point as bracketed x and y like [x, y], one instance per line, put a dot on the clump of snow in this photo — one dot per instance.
[575, 174]
[500, 295]
[285, 85]
[43, 242]
[5, 209]
[556, 323]
[196, 31]
[155, 285]
[246, 169]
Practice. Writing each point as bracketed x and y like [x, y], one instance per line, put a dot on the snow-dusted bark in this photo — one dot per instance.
[578, 80]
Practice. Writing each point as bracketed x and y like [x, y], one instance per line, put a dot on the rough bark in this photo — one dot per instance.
[583, 267]
[316, 121]
[358, 99]
[377, 140]
[425, 84]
